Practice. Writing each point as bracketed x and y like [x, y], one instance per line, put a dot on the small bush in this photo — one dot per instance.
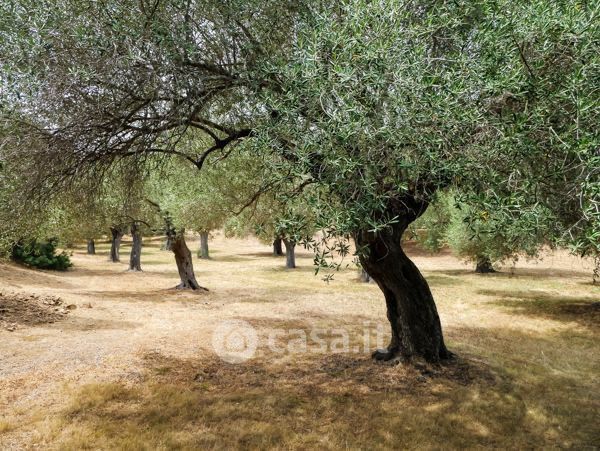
[41, 255]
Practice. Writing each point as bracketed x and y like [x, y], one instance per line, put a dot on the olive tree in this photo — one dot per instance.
[483, 236]
[386, 103]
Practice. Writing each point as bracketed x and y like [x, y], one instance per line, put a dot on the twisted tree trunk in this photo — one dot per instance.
[290, 253]
[135, 263]
[411, 311]
[203, 249]
[115, 243]
[277, 249]
[183, 258]
[91, 247]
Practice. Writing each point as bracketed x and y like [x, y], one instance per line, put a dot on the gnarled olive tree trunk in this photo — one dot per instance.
[277, 249]
[183, 258]
[411, 311]
[91, 247]
[290, 253]
[203, 249]
[135, 263]
[115, 243]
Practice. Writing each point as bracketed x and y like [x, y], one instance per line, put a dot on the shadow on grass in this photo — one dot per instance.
[436, 280]
[413, 249]
[504, 394]
[582, 310]
[517, 273]
[332, 401]
[282, 268]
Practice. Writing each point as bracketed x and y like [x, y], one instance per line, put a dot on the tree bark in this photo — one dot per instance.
[135, 263]
[277, 249]
[183, 258]
[91, 247]
[203, 249]
[115, 244]
[484, 265]
[290, 253]
[411, 311]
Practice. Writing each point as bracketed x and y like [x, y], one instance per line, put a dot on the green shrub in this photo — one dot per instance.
[41, 255]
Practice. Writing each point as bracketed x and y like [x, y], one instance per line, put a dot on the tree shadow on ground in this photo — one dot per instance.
[265, 254]
[435, 280]
[507, 396]
[517, 273]
[330, 402]
[413, 249]
[583, 310]
[18, 276]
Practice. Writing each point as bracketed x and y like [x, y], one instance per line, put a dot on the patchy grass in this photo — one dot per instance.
[137, 371]
[329, 402]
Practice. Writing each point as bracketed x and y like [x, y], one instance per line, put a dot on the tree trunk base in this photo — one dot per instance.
[277, 248]
[203, 249]
[185, 266]
[484, 266]
[290, 253]
[395, 357]
[181, 286]
[91, 247]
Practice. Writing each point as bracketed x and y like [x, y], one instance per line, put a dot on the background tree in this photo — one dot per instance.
[280, 213]
[203, 201]
[479, 235]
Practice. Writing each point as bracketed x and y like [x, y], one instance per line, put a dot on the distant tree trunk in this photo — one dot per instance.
[415, 324]
[170, 232]
[91, 247]
[135, 263]
[484, 265]
[203, 249]
[183, 258]
[364, 276]
[115, 243]
[168, 244]
[290, 253]
[277, 249]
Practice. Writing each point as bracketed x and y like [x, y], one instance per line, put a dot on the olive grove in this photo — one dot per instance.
[367, 109]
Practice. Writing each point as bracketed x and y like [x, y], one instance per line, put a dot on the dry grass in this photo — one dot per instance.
[137, 370]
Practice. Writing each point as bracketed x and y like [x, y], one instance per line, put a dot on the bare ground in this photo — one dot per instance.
[133, 366]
